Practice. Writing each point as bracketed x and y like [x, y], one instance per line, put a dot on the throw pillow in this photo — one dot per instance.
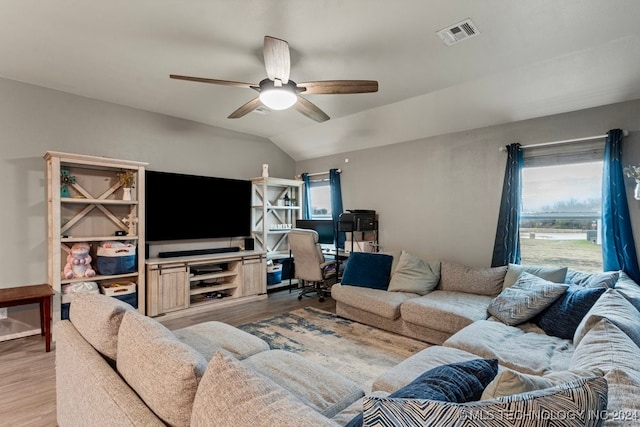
[455, 382]
[233, 395]
[413, 275]
[480, 281]
[561, 319]
[509, 382]
[630, 289]
[607, 279]
[368, 270]
[526, 298]
[582, 402]
[552, 274]
[97, 317]
[163, 371]
[612, 305]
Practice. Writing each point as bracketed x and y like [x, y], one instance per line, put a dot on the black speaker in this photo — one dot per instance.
[249, 244]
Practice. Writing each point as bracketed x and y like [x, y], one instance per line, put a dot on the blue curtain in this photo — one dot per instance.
[306, 206]
[336, 204]
[506, 248]
[618, 248]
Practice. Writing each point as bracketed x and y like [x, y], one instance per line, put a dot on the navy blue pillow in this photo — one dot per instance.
[561, 319]
[368, 270]
[456, 382]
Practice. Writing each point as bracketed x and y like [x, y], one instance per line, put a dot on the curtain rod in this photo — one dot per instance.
[566, 141]
[317, 173]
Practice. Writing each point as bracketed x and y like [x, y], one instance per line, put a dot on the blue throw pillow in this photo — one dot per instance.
[561, 319]
[368, 270]
[457, 382]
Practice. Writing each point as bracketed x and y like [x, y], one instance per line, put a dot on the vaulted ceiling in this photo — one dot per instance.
[530, 59]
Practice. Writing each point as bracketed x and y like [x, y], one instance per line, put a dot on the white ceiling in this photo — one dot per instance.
[531, 59]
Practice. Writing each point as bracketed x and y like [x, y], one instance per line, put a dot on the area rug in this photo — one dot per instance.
[357, 351]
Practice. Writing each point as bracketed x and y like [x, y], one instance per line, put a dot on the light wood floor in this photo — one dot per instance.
[27, 372]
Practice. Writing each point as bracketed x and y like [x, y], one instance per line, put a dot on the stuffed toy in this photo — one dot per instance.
[79, 262]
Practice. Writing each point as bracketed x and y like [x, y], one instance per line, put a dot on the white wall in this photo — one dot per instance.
[439, 197]
[34, 120]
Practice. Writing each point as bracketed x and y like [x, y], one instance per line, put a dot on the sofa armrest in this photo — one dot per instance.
[88, 390]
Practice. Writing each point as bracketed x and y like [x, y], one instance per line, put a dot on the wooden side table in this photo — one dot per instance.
[23, 295]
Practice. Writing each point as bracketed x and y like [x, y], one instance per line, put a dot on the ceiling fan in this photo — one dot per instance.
[278, 92]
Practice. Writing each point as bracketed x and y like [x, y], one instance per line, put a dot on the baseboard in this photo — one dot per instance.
[20, 335]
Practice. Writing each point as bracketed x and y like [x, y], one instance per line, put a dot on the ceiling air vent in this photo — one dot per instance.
[458, 32]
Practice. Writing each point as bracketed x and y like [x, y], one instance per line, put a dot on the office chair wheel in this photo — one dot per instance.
[300, 297]
[321, 299]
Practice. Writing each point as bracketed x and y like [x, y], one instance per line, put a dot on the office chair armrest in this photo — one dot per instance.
[327, 264]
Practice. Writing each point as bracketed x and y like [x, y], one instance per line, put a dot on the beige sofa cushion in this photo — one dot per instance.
[376, 301]
[410, 369]
[609, 349]
[614, 306]
[479, 281]
[210, 337]
[630, 289]
[528, 352]
[233, 395]
[317, 386]
[162, 370]
[97, 317]
[445, 311]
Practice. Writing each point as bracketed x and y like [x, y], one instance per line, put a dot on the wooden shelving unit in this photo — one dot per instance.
[269, 212]
[92, 211]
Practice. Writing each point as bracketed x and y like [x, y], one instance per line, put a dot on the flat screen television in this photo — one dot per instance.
[191, 207]
[324, 227]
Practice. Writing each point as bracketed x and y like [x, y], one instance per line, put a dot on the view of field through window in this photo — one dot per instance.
[560, 220]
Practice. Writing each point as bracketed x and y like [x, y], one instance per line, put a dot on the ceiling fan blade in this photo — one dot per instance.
[213, 81]
[340, 86]
[245, 109]
[277, 60]
[310, 110]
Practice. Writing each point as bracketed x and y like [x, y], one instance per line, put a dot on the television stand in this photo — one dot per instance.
[184, 285]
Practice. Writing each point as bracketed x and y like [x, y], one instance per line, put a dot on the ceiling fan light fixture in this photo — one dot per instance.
[278, 98]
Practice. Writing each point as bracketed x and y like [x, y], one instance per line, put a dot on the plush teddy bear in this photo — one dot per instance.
[79, 262]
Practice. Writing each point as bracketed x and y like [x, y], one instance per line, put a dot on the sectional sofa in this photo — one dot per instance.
[117, 367]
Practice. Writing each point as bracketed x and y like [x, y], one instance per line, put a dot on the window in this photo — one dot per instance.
[320, 199]
[561, 209]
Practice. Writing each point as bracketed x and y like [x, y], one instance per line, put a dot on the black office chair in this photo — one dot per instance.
[315, 275]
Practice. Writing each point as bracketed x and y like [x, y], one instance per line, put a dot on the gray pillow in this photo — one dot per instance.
[480, 281]
[529, 296]
[413, 275]
[552, 274]
[612, 305]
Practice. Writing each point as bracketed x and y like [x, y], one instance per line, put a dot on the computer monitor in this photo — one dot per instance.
[324, 227]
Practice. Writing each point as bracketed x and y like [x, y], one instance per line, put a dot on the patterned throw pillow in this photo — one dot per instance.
[526, 298]
[582, 402]
[606, 279]
[561, 319]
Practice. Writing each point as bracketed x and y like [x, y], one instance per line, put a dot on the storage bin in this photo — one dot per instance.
[117, 288]
[71, 289]
[274, 274]
[116, 258]
[131, 299]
